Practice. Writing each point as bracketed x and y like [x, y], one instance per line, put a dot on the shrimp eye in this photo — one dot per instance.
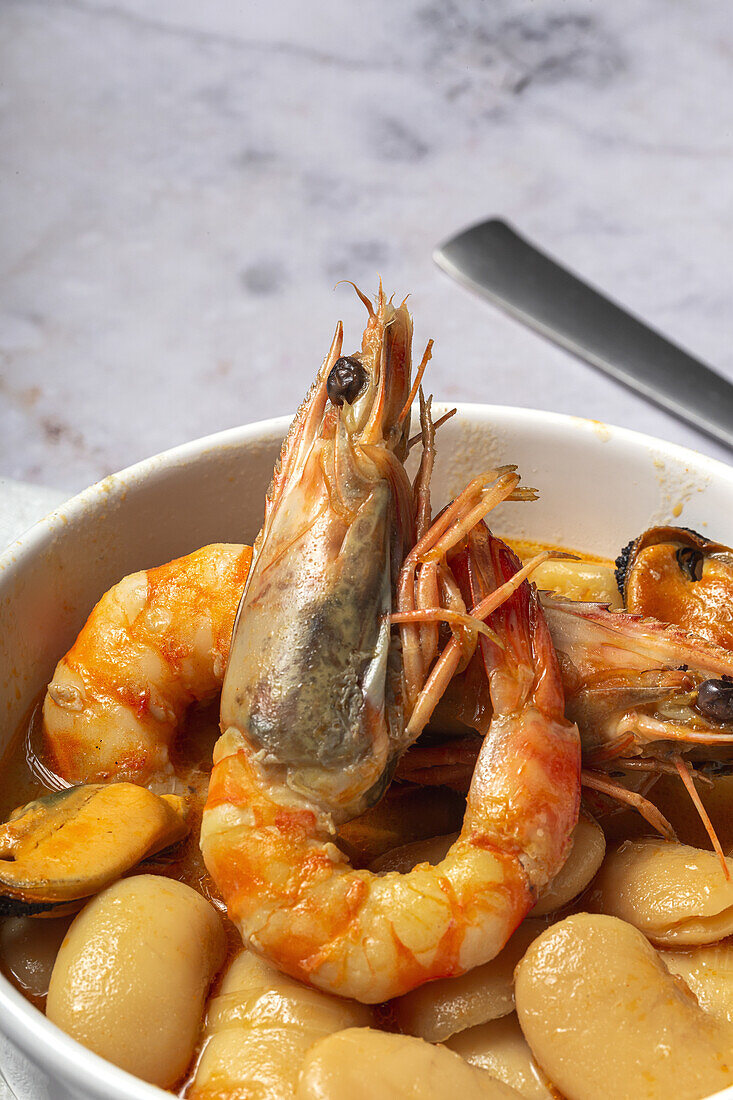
[715, 699]
[345, 380]
[690, 562]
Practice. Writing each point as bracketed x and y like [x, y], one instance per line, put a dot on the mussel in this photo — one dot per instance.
[59, 850]
[678, 576]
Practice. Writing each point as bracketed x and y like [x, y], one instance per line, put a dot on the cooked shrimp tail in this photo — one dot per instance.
[526, 689]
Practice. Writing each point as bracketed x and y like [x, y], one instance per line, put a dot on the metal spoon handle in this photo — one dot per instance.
[493, 259]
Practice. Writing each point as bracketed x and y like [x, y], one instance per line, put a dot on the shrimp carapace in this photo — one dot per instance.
[632, 684]
[644, 694]
[311, 682]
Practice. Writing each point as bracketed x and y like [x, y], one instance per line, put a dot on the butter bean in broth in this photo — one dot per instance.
[579, 580]
[363, 1064]
[674, 894]
[258, 1029]
[131, 977]
[499, 1046]
[708, 971]
[606, 1020]
[584, 859]
[437, 1010]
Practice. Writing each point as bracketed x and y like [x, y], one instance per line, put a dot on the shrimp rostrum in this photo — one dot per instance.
[338, 658]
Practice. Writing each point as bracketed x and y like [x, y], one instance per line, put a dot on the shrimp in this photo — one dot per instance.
[635, 685]
[322, 695]
[647, 696]
[156, 642]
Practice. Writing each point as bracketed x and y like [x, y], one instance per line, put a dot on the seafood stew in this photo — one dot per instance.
[240, 991]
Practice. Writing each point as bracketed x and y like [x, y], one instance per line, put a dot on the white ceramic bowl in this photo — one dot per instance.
[599, 487]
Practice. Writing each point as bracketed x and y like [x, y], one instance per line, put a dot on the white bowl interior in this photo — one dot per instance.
[599, 486]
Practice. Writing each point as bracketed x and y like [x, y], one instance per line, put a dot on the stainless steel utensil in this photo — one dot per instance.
[494, 260]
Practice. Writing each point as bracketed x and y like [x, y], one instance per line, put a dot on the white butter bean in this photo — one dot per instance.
[607, 1021]
[131, 976]
[674, 894]
[584, 859]
[579, 580]
[500, 1047]
[362, 1064]
[258, 1029]
[437, 1010]
[709, 973]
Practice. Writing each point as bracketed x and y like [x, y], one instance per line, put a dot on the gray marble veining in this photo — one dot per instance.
[182, 185]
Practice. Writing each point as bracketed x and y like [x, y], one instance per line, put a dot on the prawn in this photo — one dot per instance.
[333, 672]
[156, 642]
[639, 690]
[637, 686]
[646, 696]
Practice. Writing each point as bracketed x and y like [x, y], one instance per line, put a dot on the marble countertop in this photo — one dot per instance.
[183, 184]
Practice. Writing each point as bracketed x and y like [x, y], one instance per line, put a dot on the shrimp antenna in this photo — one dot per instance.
[360, 293]
[427, 356]
[686, 774]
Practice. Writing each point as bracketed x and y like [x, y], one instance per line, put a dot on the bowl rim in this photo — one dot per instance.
[26, 1026]
[117, 483]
